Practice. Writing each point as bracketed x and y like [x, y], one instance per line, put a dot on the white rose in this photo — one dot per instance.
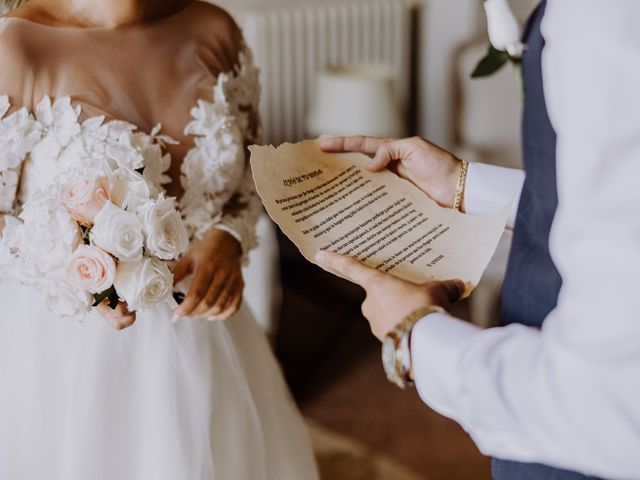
[504, 30]
[48, 235]
[121, 151]
[119, 233]
[165, 234]
[63, 299]
[144, 284]
[130, 189]
[67, 301]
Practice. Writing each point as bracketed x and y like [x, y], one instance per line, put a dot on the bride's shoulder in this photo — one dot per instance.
[208, 14]
[12, 38]
[215, 27]
[15, 55]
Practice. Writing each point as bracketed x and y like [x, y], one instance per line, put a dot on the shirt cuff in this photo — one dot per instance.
[437, 342]
[489, 188]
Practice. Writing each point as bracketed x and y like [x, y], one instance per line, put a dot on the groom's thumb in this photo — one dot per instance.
[452, 289]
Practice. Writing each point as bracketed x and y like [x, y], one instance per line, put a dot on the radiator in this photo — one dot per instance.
[293, 41]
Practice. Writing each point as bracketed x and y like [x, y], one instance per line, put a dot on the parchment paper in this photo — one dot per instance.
[325, 201]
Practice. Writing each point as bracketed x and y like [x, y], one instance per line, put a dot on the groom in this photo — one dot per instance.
[555, 390]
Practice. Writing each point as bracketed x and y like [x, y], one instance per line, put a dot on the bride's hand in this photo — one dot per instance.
[216, 290]
[119, 317]
[432, 169]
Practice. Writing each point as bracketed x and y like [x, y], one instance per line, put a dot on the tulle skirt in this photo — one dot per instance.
[194, 400]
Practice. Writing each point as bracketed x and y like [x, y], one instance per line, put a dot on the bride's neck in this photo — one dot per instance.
[105, 13]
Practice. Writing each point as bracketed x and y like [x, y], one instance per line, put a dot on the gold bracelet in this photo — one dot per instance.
[462, 180]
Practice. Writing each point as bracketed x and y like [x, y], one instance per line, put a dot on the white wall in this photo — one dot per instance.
[445, 26]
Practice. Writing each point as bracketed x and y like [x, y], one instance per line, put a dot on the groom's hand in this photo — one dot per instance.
[432, 169]
[390, 299]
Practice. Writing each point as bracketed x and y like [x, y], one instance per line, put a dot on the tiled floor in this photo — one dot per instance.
[332, 363]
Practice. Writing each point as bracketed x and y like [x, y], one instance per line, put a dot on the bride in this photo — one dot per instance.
[164, 394]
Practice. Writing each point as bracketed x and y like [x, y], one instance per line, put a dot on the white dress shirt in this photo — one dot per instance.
[566, 395]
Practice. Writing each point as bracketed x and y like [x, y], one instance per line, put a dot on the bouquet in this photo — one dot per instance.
[98, 239]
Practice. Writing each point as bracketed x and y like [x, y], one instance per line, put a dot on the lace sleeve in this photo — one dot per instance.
[217, 179]
[19, 133]
[240, 214]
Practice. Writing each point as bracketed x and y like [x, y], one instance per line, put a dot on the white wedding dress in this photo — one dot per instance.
[195, 400]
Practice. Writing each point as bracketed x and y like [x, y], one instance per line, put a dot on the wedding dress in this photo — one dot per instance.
[186, 401]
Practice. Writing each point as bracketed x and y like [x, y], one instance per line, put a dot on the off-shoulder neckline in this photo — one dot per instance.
[118, 28]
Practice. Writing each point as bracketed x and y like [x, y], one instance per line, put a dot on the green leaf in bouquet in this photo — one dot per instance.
[109, 294]
[114, 299]
[178, 297]
[493, 61]
[86, 231]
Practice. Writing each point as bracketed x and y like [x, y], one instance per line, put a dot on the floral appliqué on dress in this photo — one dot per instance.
[38, 150]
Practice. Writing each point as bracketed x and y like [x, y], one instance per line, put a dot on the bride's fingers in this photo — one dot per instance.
[119, 318]
[182, 269]
[199, 288]
[231, 297]
[228, 312]
[217, 286]
[213, 309]
[232, 302]
[235, 305]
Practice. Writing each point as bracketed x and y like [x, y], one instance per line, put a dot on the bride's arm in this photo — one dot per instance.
[240, 214]
[242, 211]
[13, 123]
[215, 261]
[16, 142]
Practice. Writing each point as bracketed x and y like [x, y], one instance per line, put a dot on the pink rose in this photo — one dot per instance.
[85, 198]
[91, 269]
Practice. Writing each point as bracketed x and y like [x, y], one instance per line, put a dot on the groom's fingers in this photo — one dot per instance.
[360, 143]
[347, 267]
[395, 150]
[384, 150]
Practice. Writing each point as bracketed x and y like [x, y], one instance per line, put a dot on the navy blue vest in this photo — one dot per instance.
[532, 282]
